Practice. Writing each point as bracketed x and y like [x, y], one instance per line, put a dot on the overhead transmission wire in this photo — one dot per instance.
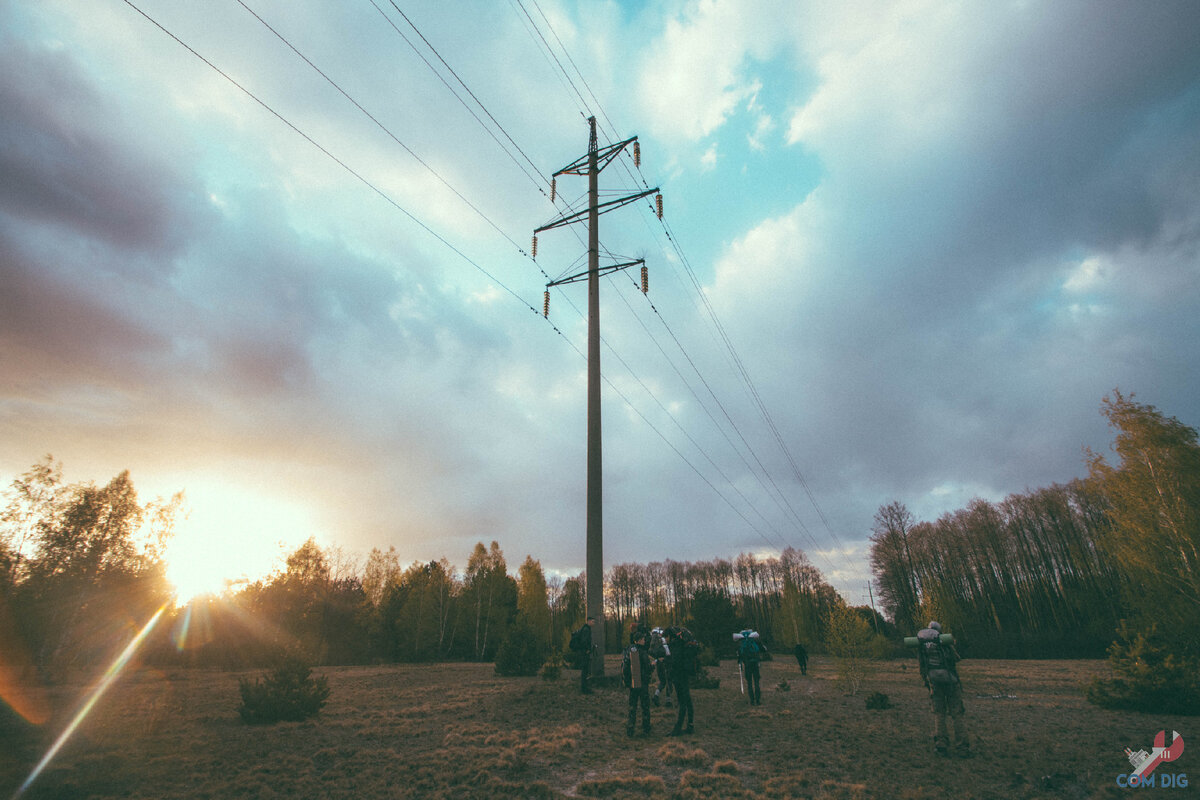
[583, 103]
[778, 497]
[535, 176]
[381, 126]
[471, 205]
[426, 228]
[736, 360]
[684, 430]
[386, 197]
[599, 106]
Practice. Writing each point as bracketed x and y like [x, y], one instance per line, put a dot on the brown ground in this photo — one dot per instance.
[458, 731]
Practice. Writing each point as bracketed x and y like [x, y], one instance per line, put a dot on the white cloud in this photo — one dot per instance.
[1090, 274]
[697, 73]
[757, 139]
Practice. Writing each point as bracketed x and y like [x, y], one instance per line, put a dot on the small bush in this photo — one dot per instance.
[702, 680]
[289, 693]
[878, 701]
[783, 686]
[1146, 677]
[552, 669]
[521, 653]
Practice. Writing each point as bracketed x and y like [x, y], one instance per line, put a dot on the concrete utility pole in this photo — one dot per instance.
[591, 165]
[874, 613]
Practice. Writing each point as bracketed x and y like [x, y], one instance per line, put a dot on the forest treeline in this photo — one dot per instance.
[1053, 572]
[81, 569]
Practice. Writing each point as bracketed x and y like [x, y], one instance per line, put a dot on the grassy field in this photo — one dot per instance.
[458, 731]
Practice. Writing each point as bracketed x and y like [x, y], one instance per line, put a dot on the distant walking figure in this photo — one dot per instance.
[801, 658]
[938, 661]
[637, 672]
[581, 644]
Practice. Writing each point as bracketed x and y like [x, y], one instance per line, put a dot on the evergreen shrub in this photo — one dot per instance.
[288, 693]
[1147, 677]
[520, 652]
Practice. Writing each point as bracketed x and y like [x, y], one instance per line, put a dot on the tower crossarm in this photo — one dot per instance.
[600, 209]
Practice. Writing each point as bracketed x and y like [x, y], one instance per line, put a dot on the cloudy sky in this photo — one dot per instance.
[276, 255]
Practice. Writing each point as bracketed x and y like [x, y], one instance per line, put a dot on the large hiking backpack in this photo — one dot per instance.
[690, 655]
[749, 650]
[636, 670]
[939, 665]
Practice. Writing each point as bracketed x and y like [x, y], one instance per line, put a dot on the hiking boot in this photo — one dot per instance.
[689, 730]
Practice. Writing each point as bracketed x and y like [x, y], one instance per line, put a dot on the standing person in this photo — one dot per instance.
[750, 651]
[581, 643]
[680, 667]
[637, 672]
[939, 669]
[660, 651]
[801, 658]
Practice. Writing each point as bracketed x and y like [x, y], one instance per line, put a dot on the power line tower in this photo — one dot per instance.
[590, 165]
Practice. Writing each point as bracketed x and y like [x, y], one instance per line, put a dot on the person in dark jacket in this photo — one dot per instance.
[680, 666]
[801, 658]
[584, 637]
[637, 672]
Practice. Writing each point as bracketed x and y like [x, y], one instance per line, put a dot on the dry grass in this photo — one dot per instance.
[458, 731]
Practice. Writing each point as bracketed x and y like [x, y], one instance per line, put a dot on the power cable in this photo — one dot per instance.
[381, 126]
[534, 177]
[334, 158]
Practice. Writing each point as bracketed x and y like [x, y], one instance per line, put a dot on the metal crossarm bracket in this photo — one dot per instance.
[601, 271]
[601, 208]
[603, 157]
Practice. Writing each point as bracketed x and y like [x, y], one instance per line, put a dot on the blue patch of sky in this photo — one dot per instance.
[746, 184]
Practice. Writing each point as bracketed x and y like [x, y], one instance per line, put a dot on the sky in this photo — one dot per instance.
[277, 255]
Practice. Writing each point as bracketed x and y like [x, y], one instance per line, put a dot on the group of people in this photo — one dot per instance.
[667, 659]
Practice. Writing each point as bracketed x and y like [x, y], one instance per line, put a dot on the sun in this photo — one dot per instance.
[229, 535]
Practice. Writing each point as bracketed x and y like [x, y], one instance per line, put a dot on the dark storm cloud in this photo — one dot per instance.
[934, 339]
[66, 160]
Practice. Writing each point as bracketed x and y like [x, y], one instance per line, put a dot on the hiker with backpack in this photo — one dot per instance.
[660, 652]
[581, 645]
[938, 660]
[749, 652]
[681, 666]
[636, 673]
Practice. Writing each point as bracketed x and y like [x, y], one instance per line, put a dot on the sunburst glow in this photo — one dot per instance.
[230, 535]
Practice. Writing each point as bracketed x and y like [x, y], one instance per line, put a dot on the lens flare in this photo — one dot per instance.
[102, 685]
[19, 685]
